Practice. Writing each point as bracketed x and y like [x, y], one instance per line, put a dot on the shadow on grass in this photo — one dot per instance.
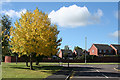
[20, 67]
[47, 67]
[55, 67]
[52, 68]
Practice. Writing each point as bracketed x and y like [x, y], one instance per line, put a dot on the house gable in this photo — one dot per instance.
[116, 47]
[93, 50]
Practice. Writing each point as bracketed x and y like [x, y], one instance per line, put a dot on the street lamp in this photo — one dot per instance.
[85, 48]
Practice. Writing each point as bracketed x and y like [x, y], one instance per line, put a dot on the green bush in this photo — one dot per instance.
[88, 57]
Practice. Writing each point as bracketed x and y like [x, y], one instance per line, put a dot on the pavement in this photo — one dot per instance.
[87, 72]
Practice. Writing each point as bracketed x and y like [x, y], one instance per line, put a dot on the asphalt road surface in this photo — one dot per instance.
[87, 72]
[94, 72]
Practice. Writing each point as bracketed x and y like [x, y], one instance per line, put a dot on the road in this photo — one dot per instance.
[94, 72]
[87, 72]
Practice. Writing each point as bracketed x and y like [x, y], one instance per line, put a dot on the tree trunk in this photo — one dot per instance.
[37, 62]
[27, 63]
[31, 68]
[26, 58]
[16, 59]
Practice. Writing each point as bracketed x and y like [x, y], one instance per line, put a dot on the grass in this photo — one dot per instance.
[13, 70]
[0, 72]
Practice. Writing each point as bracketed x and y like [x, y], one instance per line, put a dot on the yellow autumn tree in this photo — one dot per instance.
[34, 34]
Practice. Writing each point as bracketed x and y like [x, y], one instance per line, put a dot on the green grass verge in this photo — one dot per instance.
[13, 70]
[0, 72]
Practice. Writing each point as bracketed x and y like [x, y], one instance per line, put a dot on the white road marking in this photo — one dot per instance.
[105, 76]
[69, 75]
[102, 74]
[97, 70]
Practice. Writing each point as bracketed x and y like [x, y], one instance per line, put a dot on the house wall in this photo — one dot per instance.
[114, 49]
[60, 54]
[95, 50]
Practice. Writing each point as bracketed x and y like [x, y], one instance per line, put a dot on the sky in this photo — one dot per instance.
[98, 21]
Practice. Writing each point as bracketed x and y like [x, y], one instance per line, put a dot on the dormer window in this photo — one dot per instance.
[92, 51]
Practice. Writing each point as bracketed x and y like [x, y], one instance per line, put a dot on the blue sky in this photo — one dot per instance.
[101, 27]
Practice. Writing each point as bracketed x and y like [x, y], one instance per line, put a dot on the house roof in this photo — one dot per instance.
[103, 46]
[117, 46]
[78, 50]
[84, 51]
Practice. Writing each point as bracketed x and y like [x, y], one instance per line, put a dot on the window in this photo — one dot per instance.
[100, 51]
[109, 51]
[92, 51]
[104, 51]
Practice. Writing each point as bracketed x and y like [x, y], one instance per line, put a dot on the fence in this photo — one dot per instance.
[96, 59]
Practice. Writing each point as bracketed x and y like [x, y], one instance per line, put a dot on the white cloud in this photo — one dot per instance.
[7, 0]
[115, 34]
[74, 16]
[1, 1]
[13, 13]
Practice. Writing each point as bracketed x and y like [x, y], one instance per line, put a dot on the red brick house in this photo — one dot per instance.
[116, 47]
[62, 53]
[101, 50]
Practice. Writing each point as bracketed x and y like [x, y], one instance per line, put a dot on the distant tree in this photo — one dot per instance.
[66, 47]
[77, 47]
[65, 55]
[5, 25]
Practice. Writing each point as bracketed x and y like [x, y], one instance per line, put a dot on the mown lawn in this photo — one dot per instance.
[13, 70]
[0, 72]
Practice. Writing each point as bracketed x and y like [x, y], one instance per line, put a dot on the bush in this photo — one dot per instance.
[88, 57]
[80, 57]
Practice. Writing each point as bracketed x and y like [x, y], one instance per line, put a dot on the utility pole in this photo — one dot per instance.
[85, 47]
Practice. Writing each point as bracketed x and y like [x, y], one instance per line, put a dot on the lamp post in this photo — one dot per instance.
[85, 48]
[68, 59]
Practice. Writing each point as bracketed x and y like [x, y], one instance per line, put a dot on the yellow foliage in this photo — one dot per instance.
[33, 33]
